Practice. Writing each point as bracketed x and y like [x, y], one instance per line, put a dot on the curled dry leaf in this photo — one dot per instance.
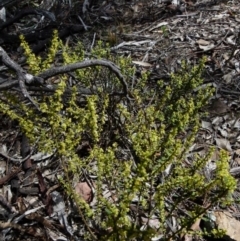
[203, 42]
[152, 222]
[141, 63]
[83, 190]
[206, 47]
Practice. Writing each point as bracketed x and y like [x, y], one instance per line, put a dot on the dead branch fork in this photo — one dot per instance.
[24, 78]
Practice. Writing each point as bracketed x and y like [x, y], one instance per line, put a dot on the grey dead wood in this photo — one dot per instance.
[21, 74]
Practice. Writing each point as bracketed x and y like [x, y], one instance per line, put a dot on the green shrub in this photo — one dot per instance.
[137, 146]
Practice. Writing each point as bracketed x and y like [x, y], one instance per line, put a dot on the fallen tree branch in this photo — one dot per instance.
[87, 63]
[4, 3]
[24, 78]
[26, 12]
[21, 74]
[8, 85]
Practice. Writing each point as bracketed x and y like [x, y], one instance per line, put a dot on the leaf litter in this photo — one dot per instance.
[154, 44]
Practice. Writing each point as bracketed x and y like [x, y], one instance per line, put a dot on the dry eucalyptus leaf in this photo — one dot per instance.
[3, 165]
[223, 132]
[237, 160]
[237, 152]
[152, 222]
[141, 63]
[225, 221]
[220, 16]
[203, 42]
[159, 25]
[217, 120]
[207, 47]
[218, 107]
[223, 144]
[3, 148]
[3, 14]
[156, 238]
[206, 125]
[230, 40]
[228, 78]
[83, 190]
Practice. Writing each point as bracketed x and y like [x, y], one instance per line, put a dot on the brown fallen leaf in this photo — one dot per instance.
[225, 220]
[9, 176]
[218, 107]
[83, 190]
